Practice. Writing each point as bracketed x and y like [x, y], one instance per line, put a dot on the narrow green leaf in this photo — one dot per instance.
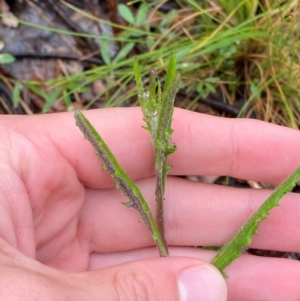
[210, 87]
[124, 51]
[167, 106]
[67, 98]
[212, 79]
[37, 90]
[171, 74]
[140, 86]
[159, 93]
[141, 16]
[126, 13]
[138, 77]
[232, 250]
[123, 182]
[254, 87]
[152, 85]
[51, 98]
[104, 49]
[152, 101]
[200, 90]
[16, 94]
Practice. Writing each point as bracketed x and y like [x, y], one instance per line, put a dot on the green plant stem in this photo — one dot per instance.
[157, 108]
[232, 250]
[163, 148]
[123, 182]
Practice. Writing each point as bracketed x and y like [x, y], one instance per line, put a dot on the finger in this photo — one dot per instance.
[250, 278]
[175, 279]
[23, 278]
[184, 279]
[196, 214]
[260, 278]
[242, 148]
[209, 145]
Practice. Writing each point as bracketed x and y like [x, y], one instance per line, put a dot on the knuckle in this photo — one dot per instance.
[134, 285]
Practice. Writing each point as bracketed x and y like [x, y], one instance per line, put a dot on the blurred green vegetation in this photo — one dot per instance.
[243, 53]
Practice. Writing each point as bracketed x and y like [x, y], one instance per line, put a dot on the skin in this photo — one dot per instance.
[64, 233]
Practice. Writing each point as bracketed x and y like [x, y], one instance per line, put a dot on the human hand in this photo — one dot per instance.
[66, 235]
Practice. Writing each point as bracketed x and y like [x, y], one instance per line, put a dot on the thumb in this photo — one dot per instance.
[162, 279]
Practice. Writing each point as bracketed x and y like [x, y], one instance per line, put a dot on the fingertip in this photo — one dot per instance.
[201, 282]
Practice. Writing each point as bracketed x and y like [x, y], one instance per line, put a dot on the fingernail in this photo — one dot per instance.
[201, 283]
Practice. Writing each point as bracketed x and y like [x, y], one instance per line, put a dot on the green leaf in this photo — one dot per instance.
[152, 99]
[124, 51]
[6, 58]
[146, 99]
[171, 74]
[105, 50]
[200, 89]
[141, 16]
[167, 19]
[126, 13]
[37, 90]
[232, 250]
[16, 94]
[67, 98]
[140, 86]
[212, 79]
[228, 50]
[51, 98]
[254, 87]
[210, 87]
[123, 182]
